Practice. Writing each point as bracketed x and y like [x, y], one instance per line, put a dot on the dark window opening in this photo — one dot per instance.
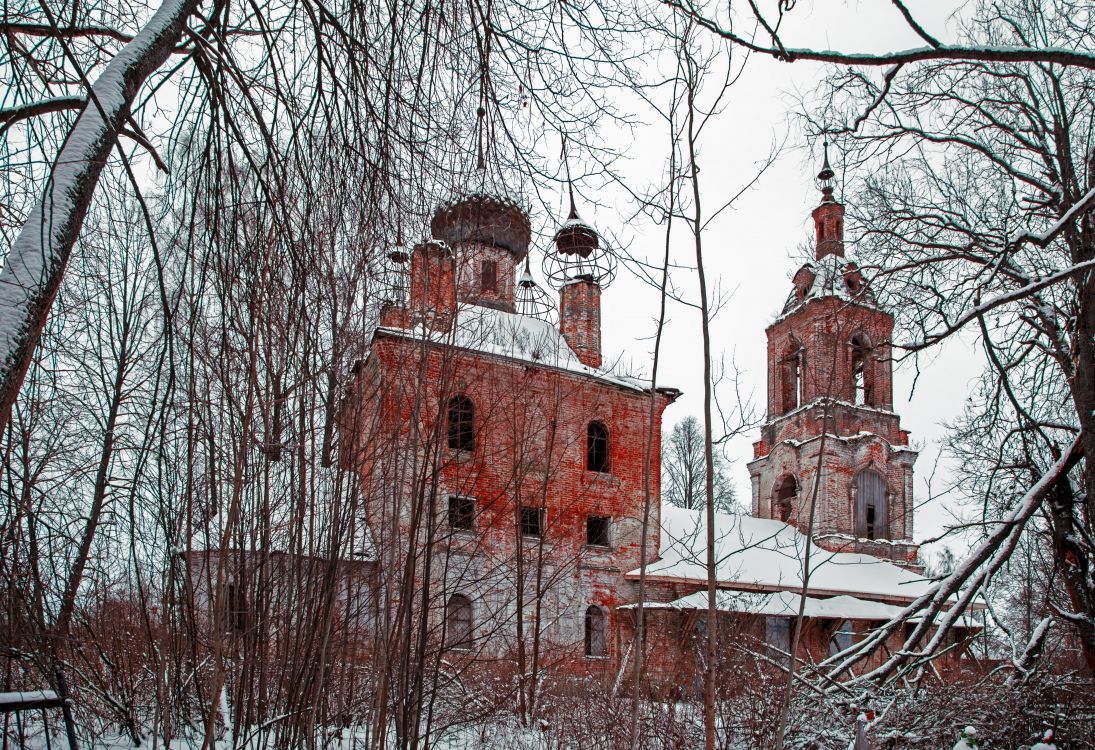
[597, 530]
[532, 521]
[794, 371]
[786, 495]
[778, 633]
[861, 384]
[842, 638]
[461, 424]
[458, 622]
[488, 276]
[597, 447]
[595, 632]
[236, 608]
[461, 512]
[872, 518]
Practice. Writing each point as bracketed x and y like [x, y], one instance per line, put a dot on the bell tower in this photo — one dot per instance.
[831, 434]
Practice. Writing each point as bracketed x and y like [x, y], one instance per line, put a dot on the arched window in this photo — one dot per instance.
[842, 637]
[458, 622]
[461, 424]
[861, 381]
[794, 367]
[785, 495]
[872, 516]
[596, 631]
[597, 447]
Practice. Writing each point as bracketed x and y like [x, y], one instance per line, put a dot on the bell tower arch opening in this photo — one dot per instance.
[794, 371]
[784, 498]
[872, 516]
[862, 378]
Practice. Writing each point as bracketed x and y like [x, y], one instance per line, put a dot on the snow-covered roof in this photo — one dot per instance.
[520, 337]
[831, 276]
[765, 555]
[785, 604]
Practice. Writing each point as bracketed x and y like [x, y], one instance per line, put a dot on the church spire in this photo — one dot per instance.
[829, 216]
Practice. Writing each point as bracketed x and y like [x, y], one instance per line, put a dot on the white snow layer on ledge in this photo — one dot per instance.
[766, 554]
[506, 334]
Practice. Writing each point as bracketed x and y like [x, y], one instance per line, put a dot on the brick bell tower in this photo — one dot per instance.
[830, 372]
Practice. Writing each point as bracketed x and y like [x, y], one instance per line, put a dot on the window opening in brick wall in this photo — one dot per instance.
[597, 530]
[597, 447]
[461, 512]
[235, 612]
[595, 631]
[532, 521]
[871, 507]
[861, 385]
[777, 633]
[786, 495]
[842, 637]
[794, 368]
[488, 276]
[458, 622]
[461, 424]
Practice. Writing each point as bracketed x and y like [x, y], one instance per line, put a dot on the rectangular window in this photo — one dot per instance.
[461, 512]
[777, 633]
[597, 530]
[532, 521]
[488, 276]
[236, 609]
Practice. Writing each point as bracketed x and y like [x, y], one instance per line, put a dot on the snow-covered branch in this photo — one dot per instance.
[36, 261]
[981, 308]
[964, 583]
[957, 53]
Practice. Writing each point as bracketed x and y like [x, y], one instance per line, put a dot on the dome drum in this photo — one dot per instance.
[486, 219]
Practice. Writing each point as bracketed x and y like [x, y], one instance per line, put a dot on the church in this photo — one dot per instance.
[511, 481]
[508, 472]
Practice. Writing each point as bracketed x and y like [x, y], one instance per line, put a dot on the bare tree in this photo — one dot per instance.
[683, 472]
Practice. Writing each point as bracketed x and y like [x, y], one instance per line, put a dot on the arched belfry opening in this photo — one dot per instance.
[872, 512]
[863, 391]
[794, 377]
[784, 498]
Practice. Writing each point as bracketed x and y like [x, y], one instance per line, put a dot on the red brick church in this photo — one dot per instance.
[506, 468]
[510, 468]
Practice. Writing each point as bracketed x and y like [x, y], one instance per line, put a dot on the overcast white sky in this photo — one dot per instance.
[754, 248]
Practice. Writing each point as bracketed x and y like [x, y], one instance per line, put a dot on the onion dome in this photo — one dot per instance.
[532, 300]
[579, 254]
[393, 276]
[575, 237]
[489, 219]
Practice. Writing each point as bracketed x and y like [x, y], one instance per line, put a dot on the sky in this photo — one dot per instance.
[753, 248]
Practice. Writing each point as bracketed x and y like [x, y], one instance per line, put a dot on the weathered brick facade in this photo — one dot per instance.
[830, 411]
[533, 403]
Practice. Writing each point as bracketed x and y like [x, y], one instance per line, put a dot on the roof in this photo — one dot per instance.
[785, 604]
[765, 555]
[518, 337]
[830, 276]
